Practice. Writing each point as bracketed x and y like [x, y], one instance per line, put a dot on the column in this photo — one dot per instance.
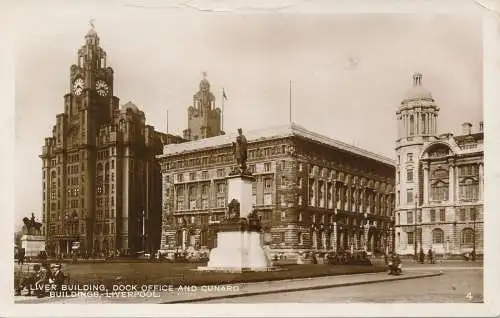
[417, 123]
[333, 237]
[457, 188]
[481, 185]
[435, 124]
[184, 239]
[451, 191]
[407, 125]
[426, 183]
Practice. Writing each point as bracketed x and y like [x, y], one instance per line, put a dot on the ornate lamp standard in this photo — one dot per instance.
[415, 232]
[473, 215]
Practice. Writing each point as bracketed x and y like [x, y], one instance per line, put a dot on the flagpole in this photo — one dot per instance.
[222, 112]
[167, 121]
[290, 101]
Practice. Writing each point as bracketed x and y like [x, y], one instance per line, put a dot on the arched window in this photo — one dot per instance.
[439, 184]
[467, 236]
[412, 126]
[437, 236]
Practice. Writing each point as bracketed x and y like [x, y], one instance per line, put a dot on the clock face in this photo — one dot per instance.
[78, 86]
[102, 88]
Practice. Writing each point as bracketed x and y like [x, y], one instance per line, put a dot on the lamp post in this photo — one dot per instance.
[415, 232]
[474, 235]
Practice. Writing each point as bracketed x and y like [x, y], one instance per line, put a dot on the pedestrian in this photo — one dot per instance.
[430, 256]
[421, 256]
[58, 278]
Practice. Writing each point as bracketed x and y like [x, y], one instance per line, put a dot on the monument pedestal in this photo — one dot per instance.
[32, 244]
[239, 244]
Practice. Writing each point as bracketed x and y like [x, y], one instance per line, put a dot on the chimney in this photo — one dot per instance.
[480, 126]
[466, 128]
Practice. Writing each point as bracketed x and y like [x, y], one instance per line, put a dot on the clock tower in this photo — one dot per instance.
[101, 179]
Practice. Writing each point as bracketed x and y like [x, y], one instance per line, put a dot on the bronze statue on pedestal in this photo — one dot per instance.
[240, 150]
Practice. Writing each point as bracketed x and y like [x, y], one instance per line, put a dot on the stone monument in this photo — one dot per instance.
[32, 241]
[239, 244]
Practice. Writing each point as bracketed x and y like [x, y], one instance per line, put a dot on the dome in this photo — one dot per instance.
[92, 33]
[130, 106]
[417, 92]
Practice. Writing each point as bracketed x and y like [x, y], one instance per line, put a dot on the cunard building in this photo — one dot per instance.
[312, 193]
[101, 182]
[439, 180]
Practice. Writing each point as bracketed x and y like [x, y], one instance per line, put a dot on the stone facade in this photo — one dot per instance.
[439, 181]
[101, 181]
[311, 193]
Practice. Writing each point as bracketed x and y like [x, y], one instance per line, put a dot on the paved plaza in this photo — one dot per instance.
[458, 284]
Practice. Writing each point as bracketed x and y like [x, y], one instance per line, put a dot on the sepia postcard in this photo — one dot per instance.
[281, 158]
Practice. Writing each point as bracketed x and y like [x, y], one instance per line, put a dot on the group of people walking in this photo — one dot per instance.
[430, 256]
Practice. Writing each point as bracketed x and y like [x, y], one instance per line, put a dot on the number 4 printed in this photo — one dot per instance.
[468, 296]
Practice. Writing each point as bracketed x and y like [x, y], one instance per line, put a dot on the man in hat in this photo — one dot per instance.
[58, 277]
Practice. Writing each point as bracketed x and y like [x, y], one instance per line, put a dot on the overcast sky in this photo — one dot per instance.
[349, 72]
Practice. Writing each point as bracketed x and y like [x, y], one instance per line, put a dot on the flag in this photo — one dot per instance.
[224, 94]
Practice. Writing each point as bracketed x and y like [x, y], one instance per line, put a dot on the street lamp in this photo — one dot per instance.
[415, 232]
[474, 234]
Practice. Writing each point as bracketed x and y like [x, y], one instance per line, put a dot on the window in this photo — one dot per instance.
[204, 190]
[179, 177]
[409, 157]
[409, 196]
[192, 176]
[204, 175]
[220, 188]
[251, 168]
[283, 216]
[221, 202]
[399, 159]
[192, 192]
[409, 175]
[467, 236]
[267, 199]
[461, 215]
[433, 215]
[411, 238]
[469, 189]
[442, 215]
[267, 166]
[409, 217]
[283, 181]
[268, 183]
[437, 236]
[398, 177]
[204, 203]
[283, 200]
[220, 173]
[399, 197]
[473, 214]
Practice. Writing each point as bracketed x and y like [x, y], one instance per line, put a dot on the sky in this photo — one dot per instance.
[349, 72]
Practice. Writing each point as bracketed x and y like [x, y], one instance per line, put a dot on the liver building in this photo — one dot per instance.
[101, 182]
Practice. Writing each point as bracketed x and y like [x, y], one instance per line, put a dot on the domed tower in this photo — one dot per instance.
[417, 123]
[204, 119]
